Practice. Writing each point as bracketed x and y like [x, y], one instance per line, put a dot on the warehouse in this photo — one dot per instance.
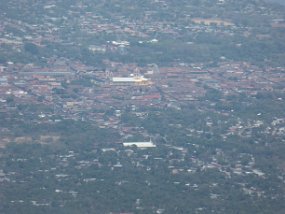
[148, 144]
[130, 80]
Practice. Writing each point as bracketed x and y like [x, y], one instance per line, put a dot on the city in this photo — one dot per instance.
[151, 106]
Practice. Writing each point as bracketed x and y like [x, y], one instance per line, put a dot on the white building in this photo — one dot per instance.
[136, 79]
[142, 145]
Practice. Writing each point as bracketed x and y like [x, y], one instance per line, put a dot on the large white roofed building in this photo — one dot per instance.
[148, 144]
[130, 80]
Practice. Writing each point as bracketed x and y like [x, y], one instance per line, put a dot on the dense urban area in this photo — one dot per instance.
[131, 106]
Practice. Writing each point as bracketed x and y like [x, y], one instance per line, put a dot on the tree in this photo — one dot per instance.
[31, 48]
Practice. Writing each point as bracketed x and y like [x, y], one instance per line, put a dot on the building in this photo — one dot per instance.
[141, 145]
[140, 80]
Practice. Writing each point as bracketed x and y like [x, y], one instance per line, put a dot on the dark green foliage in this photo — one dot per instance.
[31, 48]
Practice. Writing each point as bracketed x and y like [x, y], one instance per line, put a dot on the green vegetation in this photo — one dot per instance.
[221, 151]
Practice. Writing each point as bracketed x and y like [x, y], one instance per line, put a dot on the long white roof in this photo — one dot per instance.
[128, 79]
[140, 144]
[123, 79]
